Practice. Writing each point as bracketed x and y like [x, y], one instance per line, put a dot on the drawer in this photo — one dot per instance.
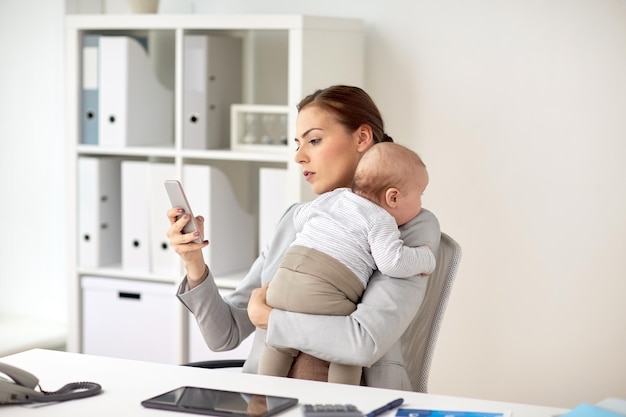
[130, 319]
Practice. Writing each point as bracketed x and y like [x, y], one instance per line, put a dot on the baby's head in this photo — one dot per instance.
[393, 177]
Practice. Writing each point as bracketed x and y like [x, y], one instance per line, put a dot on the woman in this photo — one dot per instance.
[334, 127]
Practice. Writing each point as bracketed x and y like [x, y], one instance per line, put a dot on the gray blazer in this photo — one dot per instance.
[369, 337]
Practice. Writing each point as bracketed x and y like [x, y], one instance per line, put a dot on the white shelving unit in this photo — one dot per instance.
[285, 57]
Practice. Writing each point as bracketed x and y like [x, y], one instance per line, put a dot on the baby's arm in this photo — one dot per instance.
[386, 309]
[393, 257]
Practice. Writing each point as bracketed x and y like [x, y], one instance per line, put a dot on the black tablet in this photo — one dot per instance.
[219, 403]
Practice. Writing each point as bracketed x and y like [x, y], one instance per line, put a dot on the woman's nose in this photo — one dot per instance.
[300, 156]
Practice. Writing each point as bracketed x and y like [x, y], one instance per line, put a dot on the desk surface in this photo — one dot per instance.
[126, 383]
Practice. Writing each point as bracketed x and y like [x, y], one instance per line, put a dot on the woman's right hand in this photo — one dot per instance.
[183, 245]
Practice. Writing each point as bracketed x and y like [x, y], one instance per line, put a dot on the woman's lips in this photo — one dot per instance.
[308, 175]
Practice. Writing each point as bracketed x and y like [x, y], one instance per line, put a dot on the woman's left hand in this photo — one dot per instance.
[258, 310]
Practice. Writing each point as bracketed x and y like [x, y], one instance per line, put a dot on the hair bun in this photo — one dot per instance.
[387, 138]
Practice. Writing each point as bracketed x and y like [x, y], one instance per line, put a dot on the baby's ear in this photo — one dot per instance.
[391, 197]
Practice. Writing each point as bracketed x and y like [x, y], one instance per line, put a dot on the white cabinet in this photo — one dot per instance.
[148, 63]
[129, 319]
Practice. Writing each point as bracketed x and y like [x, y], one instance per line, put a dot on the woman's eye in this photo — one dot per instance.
[315, 141]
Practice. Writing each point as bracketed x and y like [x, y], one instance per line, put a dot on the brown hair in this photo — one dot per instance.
[351, 106]
[383, 166]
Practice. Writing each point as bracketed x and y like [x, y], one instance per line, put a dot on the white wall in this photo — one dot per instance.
[518, 108]
[33, 243]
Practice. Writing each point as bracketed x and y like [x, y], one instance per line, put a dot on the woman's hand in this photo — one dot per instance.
[183, 245]
[258, 310]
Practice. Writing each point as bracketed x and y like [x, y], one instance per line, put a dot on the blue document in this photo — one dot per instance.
[89, 90]
[587, 410]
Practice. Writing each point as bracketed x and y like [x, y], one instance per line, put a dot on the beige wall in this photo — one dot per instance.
[518, 108]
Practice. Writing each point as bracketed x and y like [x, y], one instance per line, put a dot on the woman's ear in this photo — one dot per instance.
[392, 195]
[365, 137]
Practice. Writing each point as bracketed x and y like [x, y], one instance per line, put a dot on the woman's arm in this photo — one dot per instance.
[224, 322]
[386, 309]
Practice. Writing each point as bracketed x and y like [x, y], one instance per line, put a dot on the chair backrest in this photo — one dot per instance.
[420, 338]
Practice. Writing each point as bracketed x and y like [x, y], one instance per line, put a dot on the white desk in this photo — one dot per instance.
[126, 383]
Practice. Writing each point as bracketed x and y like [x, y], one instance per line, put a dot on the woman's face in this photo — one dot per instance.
[327, 153]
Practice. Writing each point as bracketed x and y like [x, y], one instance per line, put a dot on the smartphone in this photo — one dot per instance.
[178, 199]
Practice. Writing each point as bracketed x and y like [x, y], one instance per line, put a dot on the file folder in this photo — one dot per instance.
[163, 259]
[135, 109]
[89, 90]
[229, 223]
[136, 216]
[272, 202]
[99, 212]
[212, 79]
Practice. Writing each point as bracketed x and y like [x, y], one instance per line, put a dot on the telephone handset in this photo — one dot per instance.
[19, 388]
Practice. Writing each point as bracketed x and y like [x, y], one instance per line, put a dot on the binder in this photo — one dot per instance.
[272, 202]
[99, 211]
[89, 91]
[229, 223]
[212, 80]
[135, 109]
[163, 259]
[135, 216]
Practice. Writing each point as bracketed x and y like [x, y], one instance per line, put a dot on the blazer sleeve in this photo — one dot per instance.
[387, 307]
[224, 322]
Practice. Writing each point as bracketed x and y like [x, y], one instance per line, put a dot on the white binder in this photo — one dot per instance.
[272, 202]
[229, 224]
[136, 216]
[163, 260]
[99, 212]
[134, 107]
[212, 79]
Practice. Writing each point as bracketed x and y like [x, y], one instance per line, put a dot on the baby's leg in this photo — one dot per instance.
[276, 361]
[344, 374]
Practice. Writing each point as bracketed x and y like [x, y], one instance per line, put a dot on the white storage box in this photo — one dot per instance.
[130, 319]
[258, 128]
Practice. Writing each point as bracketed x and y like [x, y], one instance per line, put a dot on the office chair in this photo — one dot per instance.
[217, 363]
[420, 338]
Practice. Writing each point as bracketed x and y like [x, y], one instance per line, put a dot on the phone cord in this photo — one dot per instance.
[71, 391]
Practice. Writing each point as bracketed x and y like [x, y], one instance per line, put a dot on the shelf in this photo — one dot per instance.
[242, 193]
[134, 151]
[118, 272]
[229, 281]
[207, 155]
[229, 155]
[210, 21]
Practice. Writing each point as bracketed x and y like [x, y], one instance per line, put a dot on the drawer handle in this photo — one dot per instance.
[131, 295]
